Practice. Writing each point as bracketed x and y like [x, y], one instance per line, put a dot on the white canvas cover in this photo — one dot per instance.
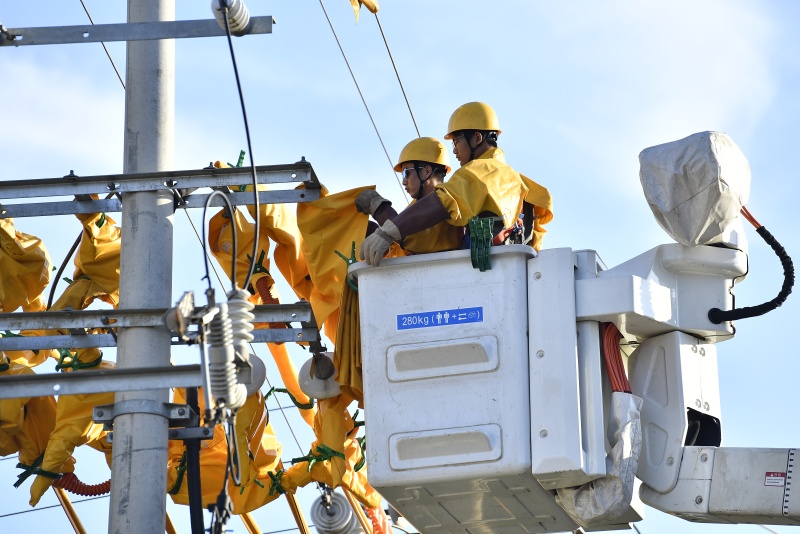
[609, 497]
[696, 186]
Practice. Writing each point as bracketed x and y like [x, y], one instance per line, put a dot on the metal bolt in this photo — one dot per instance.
[205, 431]
[181, 411]
[704, 458]
[173, 433]
[537, 276]
[543, 434]
[670, 460]
[694, 348]
[100, 413]
[540, 354]
[698, 403]
[57, 387]
[706, 406]
[702, 352]
[698, 500]
[111, 186]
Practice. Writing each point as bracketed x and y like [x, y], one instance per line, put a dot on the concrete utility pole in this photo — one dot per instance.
[138, 488]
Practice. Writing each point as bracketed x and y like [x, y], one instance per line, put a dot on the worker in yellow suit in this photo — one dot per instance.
[484, 186]
[424, 163]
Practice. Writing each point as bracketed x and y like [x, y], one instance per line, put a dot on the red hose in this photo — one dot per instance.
[72, 484]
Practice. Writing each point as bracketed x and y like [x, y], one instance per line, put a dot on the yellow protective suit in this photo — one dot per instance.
[24, 269]
[259, 453]
[539, 198]
[73, 427]
[437, 238]
[486, 183]
[330, 224]
[98, 260]
[347, 353]
[336, 458]
[25, 424]
[288, 373]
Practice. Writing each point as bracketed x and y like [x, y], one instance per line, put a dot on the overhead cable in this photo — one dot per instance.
[363, 100]
[398, 75]
[104, 47]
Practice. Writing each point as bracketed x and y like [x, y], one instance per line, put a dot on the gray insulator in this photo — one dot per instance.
[339, 518]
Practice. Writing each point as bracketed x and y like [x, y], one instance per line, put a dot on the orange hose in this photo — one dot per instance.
[72, 484]
[749, 216]
[613, 358]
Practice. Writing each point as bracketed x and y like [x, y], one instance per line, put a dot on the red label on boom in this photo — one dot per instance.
[774, 478]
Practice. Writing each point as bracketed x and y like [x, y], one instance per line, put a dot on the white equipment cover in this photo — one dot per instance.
[609, 497]
[695, 186]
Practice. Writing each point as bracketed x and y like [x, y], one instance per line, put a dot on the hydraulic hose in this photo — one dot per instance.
[716, 316]
[72, 484]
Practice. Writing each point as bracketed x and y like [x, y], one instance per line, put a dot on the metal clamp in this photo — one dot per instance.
[178, 414]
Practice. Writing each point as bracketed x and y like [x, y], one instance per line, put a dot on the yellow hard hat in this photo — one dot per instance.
[427, 149]
[473, 116]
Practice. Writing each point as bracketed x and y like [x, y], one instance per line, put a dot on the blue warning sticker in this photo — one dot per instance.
[407, 321]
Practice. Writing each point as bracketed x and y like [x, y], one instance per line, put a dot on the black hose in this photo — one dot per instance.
[716, 316]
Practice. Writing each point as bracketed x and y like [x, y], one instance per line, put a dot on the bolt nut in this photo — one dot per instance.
[205, 431]
[173, 433]
[698, 500]
[670, 460]
[698, 403]
[704, 458]
[706, 406]
[540, 354]
[100, 413]
[181, 411]
[694, 348]
[702, 352]
[537, 275]
[543, 434]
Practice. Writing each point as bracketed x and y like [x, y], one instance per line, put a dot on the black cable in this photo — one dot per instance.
[398, 75]
[224, 5]
[104, 47]
[716, 316]
[61, 269]
[363, 100]
[229, 207]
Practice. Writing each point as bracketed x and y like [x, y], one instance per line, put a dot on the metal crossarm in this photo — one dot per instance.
[181, 183]
[134, 31]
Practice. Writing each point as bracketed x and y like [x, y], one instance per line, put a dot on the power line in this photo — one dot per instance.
[398, 75]
[53, 506]
[352, 75]
[104, 47]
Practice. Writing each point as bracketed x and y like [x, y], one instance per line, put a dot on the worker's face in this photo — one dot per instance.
[411, 179]
[461, 147]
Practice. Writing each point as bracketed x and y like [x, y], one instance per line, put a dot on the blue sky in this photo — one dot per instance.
[580, 89]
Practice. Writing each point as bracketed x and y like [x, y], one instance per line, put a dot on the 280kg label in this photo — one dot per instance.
[428, 319]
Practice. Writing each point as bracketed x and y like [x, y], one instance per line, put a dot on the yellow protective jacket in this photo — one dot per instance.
[539, 204]
[327, 225]
[25, 424]
[485, 184]
[259, 453]
[74, 426]
[24, 269]
[438, 238]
